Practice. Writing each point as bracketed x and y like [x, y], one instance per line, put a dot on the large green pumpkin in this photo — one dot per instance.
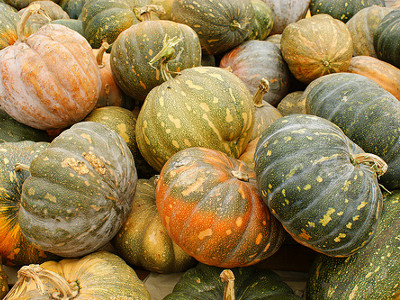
[372, 272]
[367, 113]
[210, 283]
[202, 106]
[79, 191]
[316, 181]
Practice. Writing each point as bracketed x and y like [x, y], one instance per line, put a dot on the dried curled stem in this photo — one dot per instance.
[228, 277]
[378, 165]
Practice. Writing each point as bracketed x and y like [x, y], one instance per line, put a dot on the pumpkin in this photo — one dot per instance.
[105, 19]
[165, 46]
[342, 10]
[123, 121]
[99, 275]
[15, 250]
[319, 184]
[209, 282]
[316, 46]
[49, 79]
[220, 25]
[263, 20]
[374, 125]
[8, 27]
[73, 24]
[385, 74]
[79, 191]
[167, 5]
[253, 60]
[3, 282]
[143, 241]
[203, 106]
[211, 208]
[371, 273]
[385, 34]
[286, 12]
[72, 7]
[292, 103]
[362, 27]
[20, 4]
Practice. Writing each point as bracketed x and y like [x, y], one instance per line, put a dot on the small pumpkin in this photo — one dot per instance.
[99, 275]
[211, 283]
[310, 50]
[211, 208]
[79, 191]
[320, 185]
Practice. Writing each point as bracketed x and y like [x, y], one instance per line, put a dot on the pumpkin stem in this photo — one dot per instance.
[235, 25]
[144, 13]
[263, 88]
[19, 167]
[99, 56]
[31, 9]
[378, 165]
[229, 291]
[39, 275]
[165, 54]
[243, 176]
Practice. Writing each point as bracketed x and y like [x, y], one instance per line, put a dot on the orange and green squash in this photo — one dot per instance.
[320, 185]
[8, 26]
[79, 192]
[210, 206]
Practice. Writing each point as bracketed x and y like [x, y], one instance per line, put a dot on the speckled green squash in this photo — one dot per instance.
[220, 25]
[315, 46]
[372, 272]
[308, 174]
[204, 282]
[341, 9]
[362, 28]
[130, 63]
[143, 240]
[8, 26]
[79, 192]
[73, 24]
[263, 20]
[367, 113]
[203, 106]
[386, 38]
[15, 250]
[72, 7]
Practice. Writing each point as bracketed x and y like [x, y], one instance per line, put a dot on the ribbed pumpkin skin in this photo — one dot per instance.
[263, 20]
[253, 60]
[368, 114]
[371, 273]
[362, 27]
[341, 9]
[286, 12]
[136, 46]
[220, 25]
[203, 282]
[143, 240]
[316, 46]
[212, 212]
[3, 282]
[307, 178]
[14, 248]
[383, 73]
[79, 192]
[50, 81]
[99, 275]
[203, 106]
[8, 27]
[386, 36]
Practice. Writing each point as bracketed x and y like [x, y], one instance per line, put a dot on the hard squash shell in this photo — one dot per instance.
[79, 192]
[50, 81]
[308, 177]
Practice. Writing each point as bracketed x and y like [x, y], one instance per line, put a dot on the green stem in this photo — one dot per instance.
[235, 25]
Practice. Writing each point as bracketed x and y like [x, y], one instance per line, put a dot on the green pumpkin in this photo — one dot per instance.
[15, 250]
[143, 240]
[72, 7]
[263, 20]
[319, 184]
[342, 10]
[206, 282]
[73, 24]
[386, 37]
[220, 25]
[8, 26]
[79, 191]
[372, 272]
[367, 113]
[203, 106]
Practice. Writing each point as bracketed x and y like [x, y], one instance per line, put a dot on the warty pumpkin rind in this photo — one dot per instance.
[79, 192]
[203, 106]
[210, 206]
[307, 177]
[367, 113]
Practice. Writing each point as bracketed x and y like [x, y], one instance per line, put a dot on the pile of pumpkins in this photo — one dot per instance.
[197, 137]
